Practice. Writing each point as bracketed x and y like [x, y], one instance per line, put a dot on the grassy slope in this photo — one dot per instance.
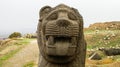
[102, 38]
[18, 42]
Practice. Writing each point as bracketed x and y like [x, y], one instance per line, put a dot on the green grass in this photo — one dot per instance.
[117, 58]
[23, 41]
[88, 32]
[10, 54]
[102, 39]
[7, 56]
[29, 64]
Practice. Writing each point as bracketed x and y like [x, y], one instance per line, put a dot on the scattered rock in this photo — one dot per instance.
[111, 51]
[95, 56]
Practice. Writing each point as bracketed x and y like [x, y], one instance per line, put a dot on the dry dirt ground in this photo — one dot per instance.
[27, 54]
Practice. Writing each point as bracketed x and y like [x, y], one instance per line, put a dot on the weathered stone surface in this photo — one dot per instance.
[60, 37]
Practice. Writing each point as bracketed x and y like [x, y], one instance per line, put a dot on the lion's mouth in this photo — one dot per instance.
[61, 45]
[61, 40]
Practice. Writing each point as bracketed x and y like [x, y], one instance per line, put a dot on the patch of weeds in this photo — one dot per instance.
[89, 32]
[89, 46]
[117, 57]
[103, 39]
[23, 41]
[29, 64]
[7, 56]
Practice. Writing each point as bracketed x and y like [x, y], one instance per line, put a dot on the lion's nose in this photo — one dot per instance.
[63, 23]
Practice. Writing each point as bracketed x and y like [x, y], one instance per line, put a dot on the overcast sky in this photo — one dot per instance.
[22, 15]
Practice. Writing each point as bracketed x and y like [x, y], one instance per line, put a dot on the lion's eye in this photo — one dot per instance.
[53, 16]
[72, 16]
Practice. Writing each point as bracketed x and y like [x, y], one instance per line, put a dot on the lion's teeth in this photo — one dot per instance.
[50, 40]
[74, 41]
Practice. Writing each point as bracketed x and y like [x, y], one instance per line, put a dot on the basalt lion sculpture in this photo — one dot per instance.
[60, 37]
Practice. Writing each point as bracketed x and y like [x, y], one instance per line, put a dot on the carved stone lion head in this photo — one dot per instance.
[60, 33]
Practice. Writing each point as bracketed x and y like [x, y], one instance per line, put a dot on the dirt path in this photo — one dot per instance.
[27, 54]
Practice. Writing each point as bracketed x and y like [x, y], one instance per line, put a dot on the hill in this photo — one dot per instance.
[104, 34]
[113, 25]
